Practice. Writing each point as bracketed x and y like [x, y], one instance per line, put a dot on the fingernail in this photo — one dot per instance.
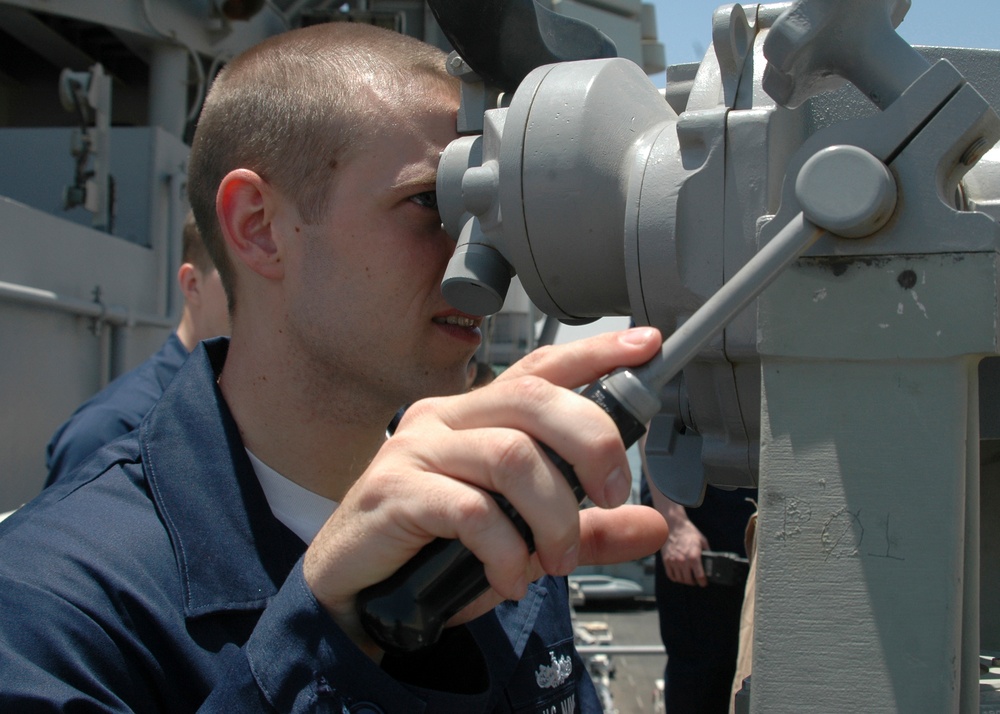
[617, 488]
[638, 335]
[569, 561]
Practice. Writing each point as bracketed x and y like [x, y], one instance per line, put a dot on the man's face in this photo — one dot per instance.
[366, 302]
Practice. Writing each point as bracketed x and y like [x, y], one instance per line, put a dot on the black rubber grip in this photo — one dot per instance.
[408, 610]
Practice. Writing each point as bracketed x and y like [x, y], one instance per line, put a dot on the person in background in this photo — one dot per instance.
[699, 620]
[120, 406]
[212, 559]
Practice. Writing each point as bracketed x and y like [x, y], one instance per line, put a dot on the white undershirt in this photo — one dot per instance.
[303, 511]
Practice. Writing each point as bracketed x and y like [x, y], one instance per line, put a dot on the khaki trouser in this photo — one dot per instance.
[744, 656]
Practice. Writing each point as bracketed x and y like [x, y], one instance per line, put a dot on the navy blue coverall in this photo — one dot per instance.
[155, 578]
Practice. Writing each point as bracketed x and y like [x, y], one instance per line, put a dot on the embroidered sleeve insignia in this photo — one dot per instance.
[552, 675]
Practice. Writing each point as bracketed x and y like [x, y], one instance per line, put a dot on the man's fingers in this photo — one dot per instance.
[508, 462]
[620, 534]
[698, 572]
[424, 506]
[537, 410]
[578, 363]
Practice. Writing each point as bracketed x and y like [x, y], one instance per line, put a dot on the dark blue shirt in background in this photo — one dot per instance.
[114, 411]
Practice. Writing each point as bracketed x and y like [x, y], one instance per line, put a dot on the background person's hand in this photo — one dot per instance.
[682, 554]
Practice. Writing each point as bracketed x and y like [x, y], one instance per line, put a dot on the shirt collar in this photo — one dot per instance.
[232, 552]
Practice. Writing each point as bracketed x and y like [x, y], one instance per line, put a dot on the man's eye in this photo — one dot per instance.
[426, 199]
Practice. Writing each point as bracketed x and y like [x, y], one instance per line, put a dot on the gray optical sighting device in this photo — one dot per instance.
[810, 217]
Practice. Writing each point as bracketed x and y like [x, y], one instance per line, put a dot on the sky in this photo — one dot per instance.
[685, 29]
[685, 26]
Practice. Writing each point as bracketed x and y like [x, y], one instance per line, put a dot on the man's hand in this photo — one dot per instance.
[682, 554]
[431, 480]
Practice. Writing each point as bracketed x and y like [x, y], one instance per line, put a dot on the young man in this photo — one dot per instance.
[119, 407]
[178, 576]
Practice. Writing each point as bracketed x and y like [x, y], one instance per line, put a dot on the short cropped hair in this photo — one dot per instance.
[293, 107]
[193, 248]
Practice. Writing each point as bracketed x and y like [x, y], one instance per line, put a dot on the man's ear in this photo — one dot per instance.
[245, 205]
[189, 280]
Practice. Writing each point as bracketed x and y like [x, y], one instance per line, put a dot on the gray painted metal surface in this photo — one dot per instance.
[850, 395]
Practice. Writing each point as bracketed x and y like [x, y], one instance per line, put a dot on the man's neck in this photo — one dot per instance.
[185, 330]
[321, 440]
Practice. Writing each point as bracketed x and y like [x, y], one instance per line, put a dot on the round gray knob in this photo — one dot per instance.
[846, 190]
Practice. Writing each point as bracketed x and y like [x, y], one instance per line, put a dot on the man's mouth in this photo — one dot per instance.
[460, 320]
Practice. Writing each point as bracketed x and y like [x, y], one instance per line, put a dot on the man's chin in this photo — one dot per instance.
[452, 386]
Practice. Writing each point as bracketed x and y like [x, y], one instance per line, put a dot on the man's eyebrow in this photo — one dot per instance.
[418, 181]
